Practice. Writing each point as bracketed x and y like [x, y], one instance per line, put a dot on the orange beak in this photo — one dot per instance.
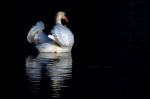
[65, 18]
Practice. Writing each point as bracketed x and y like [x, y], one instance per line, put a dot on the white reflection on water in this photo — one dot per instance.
[56, 66]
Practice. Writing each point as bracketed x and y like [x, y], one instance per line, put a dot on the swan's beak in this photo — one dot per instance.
[65, 18]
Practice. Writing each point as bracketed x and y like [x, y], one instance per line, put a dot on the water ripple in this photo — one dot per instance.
[57, 67]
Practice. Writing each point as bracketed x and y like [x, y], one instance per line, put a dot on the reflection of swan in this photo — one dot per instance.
[61, 39]
[58, 67]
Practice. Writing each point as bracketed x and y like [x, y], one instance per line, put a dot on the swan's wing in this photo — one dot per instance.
[36, 34]
[56, 42]
[34, 31]
[63, 35]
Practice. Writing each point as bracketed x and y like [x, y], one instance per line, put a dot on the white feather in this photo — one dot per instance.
[45, 43]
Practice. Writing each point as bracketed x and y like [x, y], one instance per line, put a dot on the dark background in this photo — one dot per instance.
[111, 36]
[106, 25]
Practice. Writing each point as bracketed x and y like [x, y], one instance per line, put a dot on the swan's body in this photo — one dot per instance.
[61, 39]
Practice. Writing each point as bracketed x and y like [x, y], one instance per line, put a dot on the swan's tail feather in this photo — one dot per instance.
[32, 36]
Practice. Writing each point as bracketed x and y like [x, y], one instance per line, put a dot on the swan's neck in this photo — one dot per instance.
[58, 19]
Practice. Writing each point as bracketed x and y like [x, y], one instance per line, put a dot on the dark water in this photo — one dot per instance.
[87, 76]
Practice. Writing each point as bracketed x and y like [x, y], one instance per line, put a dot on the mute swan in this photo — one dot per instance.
[61, 39]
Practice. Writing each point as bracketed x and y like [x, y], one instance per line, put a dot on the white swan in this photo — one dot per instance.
[61, 39]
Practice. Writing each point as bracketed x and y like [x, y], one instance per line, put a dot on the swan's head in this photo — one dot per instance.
[61, 15]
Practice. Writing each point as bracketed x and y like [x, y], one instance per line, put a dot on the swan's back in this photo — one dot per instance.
[63, 35]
